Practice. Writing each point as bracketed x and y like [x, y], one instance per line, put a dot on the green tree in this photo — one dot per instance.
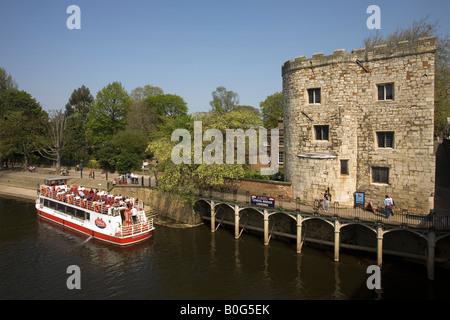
[106, 152]
[76, 112]
[132, 142]
[236, 119]
[6, 81]
[185, 178]
[13, 100]
[127, 162]
[172, 114]
[272, 110]
[107, 118]
[52, 144]
[224, 100]
[420, 29]
[80, 103]
[254, 110]
[107, 115]
[168, 105]
[142, 116]
[165, 128]
[22, 124]
[142, 93]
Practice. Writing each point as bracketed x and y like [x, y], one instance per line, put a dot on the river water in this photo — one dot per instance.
[191, 264]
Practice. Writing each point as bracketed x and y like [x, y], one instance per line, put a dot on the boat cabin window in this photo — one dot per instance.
[55, 181]
[72, 211]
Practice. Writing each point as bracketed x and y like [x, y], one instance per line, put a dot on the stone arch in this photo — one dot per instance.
[315, 227]
[259, 210]
[202, 207]
[348, 224]
[282, 225]
[224, 212]
[354, 233]
[405, 241]
[251, 216]
[218, 204]
[442, 247]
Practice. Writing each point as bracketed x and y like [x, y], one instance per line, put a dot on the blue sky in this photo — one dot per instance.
[186, 47]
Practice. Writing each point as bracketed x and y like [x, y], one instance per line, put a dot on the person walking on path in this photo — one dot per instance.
[321, 202]
[387, 205]
[391, 207]
[326, 197]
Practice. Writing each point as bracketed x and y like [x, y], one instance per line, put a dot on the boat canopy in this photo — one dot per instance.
[55, 181]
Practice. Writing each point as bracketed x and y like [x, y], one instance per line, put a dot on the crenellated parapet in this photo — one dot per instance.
[403, 48]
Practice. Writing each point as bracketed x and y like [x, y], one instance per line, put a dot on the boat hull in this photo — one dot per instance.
[121, 241]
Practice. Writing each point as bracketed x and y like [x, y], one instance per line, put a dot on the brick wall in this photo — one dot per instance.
[258, 187]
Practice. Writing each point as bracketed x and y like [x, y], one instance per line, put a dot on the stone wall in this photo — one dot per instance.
[350, 108]
[165, 204]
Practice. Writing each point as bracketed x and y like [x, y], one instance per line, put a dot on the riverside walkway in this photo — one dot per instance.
[430, 227]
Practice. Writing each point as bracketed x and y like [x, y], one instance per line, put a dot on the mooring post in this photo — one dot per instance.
[431, 254]
[236, 221]
[337, 230]
[299, 233]
[379, 246]
[266, 227]
[213, 216]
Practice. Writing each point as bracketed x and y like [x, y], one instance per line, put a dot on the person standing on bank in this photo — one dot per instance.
[387, 205]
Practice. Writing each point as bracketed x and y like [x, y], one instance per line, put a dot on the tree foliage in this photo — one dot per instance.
[22, 123]
[272, 110]
[6, 81]
[142, 93]
[168, 105]
[51, 145]
[107, 114]
[185, 178]
[224, 100]
[142, 116]
[76, 112]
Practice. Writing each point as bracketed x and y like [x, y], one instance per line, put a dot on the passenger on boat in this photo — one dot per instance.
[134, 215]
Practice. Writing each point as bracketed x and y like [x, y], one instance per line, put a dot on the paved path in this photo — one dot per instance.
[18, 192]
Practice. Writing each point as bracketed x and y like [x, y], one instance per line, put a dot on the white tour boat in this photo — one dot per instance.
[97, 214]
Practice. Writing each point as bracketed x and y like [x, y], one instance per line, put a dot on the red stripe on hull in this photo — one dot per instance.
[97, 235]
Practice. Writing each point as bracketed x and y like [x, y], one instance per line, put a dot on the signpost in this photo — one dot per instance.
[359, 199]
[262, 201]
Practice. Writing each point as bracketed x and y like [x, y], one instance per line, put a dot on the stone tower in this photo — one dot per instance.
[362, 122]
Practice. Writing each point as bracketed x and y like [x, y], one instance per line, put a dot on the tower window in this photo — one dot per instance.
[322, 132]
[314, 95]
[380, 175]
[386, 91]
[385, 139]
[344, 167]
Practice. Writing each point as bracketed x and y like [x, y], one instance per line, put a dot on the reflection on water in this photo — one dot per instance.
[188, 264]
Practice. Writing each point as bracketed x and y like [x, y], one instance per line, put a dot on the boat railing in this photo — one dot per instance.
[136, 228]
[61, 195]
